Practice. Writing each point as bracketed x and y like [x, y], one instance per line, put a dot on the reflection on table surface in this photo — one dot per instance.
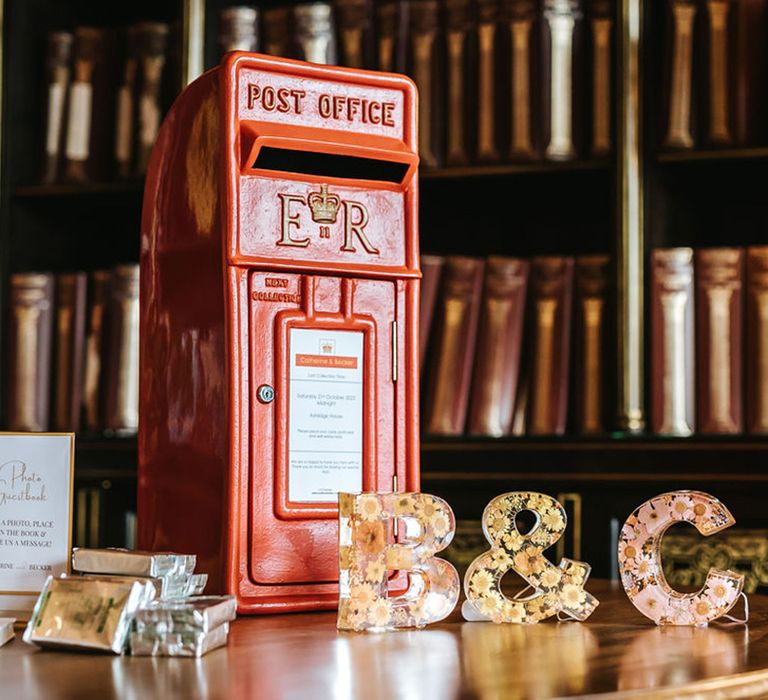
[617, 653]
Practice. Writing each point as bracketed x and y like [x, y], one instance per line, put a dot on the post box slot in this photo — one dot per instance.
[288, 160]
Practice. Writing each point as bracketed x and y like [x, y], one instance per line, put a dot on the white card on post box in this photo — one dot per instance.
[36, 483]
[325, 415]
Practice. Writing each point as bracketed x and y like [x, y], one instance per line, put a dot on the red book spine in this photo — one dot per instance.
[454, 349]
[551, 298]
[497, 369]
[719, 298]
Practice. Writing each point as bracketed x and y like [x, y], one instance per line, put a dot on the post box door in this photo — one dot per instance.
[323, 370]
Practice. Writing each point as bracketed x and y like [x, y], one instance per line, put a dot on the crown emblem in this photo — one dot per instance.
[324, 206]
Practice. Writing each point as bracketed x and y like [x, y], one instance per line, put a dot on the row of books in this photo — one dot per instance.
[499, 80]
[106, 94]
[512, 347]
[709, 338]
[73, 351]
[715, 73]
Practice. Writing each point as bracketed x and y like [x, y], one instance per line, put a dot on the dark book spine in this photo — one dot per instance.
[601, 31]
[457, 27]
[719, 298]
[523, 50]
[749, 70]
[58, 77]
[153, 40]
[95, 345]
[431, 274]
[29, 358]
[454, 347]
[354, 28]
[276, 32]
[497, 367]
[488, 18]
[424, 23]
[122, 400]
[90, 120]
[388, 23]
[592, 277]
[672, 348]
[719, 85]
[125, 118]
[757, 340]
[238, 29]
[679, 132]
[551, 298]
[314, 33]
[70, 341]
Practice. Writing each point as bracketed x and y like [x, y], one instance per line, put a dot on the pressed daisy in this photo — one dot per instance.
[500, 558]
[418, 610]
[370, 537]
[681, 508]
[550, 577]
[513, 541]
[369, 507]
[362, 595]
[426, 507]
[652, 602]
[399, 558]
[700, 509]
[645, 567]
[628, 550]
[380, 613]
[553, 519]
[375, 570]
[440, 524]
[572, 595]
[513, 612]
[722, 592]
[652, 517]
[497, 523]
[530, 561]
[481, 582]
[701, 608]
[489, 605]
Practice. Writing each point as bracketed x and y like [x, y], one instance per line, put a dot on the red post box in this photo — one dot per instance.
[279, 305]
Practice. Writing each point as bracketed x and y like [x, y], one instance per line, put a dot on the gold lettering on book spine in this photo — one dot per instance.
[675, 408]
[441, 419]
[761, 412]
[718, 71]
[679, 130]
[542, 388]
[486, 142]
[561, 25]
[593, 404]
[601, 95]
[521, 88]
[456, 96]
[720, 359]
[422, 50]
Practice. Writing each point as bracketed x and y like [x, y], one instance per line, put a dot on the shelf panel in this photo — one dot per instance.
[66, 189]
[472, 171]
[725, 154]
[681, 462]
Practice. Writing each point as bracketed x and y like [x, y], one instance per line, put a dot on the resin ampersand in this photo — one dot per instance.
[556, 589]
[367, 557]
[640, 560]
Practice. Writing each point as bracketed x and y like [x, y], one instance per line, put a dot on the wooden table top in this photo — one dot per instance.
[616, 654]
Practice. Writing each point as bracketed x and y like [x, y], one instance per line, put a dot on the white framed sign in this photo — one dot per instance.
[325, 415]
[36, 486]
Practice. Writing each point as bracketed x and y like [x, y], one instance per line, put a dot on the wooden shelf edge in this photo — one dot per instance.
[729, 154]
[129, 187]
[472, 171]
[618, 444]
